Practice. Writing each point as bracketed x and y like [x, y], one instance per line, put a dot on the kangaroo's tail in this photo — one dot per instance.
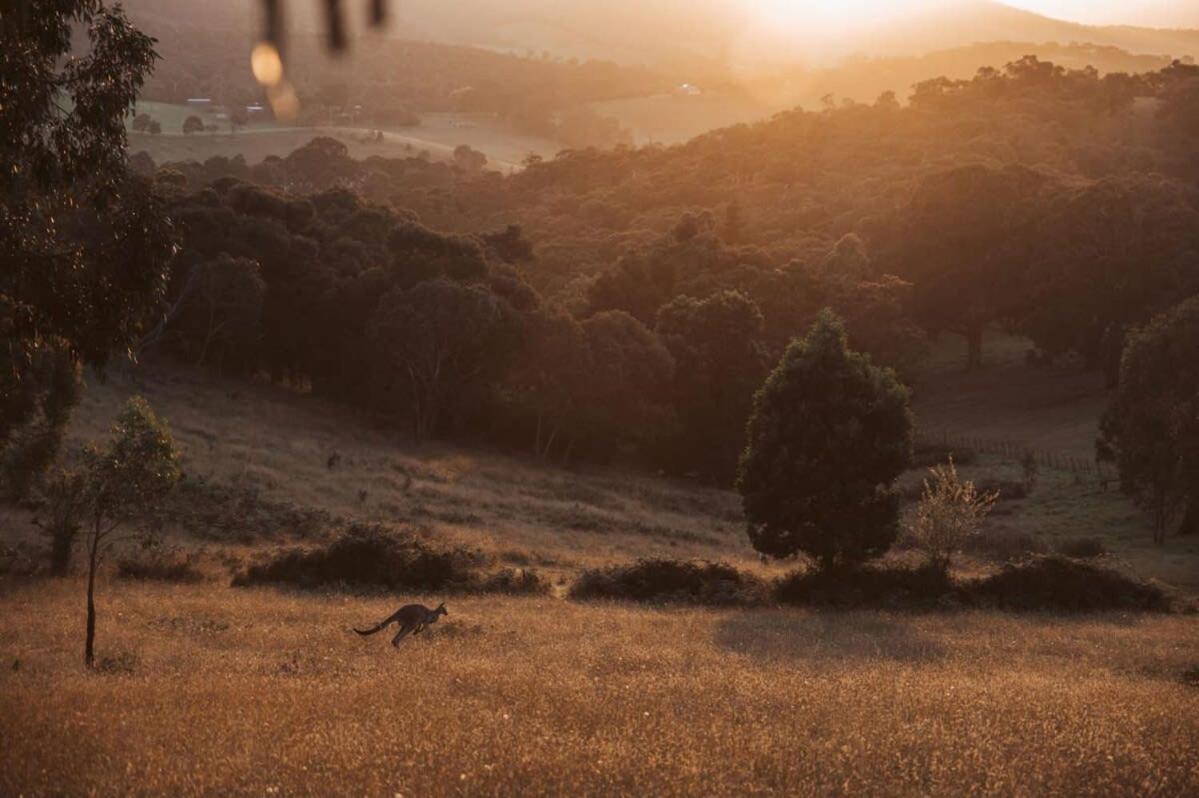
[379, 627]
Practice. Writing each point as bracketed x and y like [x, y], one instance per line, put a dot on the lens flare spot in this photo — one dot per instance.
[266, 64]
[284, 102]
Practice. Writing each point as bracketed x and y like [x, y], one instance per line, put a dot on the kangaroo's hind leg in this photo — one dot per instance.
[400, 635]
[420, 627]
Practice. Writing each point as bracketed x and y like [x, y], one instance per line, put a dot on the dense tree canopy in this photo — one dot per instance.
[989, 201]
[1151, 427]
[719, 363]
[829, 434]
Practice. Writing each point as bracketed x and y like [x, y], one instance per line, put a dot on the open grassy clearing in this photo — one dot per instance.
[1050, 408]
[223, 691]
[438, 134]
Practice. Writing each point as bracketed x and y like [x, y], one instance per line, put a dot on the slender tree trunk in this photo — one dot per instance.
[89, 646]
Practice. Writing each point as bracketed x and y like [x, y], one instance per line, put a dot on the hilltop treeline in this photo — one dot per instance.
[637, 295]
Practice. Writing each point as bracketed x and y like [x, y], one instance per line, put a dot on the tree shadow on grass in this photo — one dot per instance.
[827, 637]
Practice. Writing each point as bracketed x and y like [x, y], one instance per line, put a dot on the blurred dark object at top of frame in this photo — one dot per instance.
[335, 27]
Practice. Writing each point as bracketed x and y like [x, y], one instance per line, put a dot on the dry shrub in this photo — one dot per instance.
[672, 581]
[160, 565]
[1060, 584]
[950, 514]
[375, 556]
[867, 586]
[1082, 548]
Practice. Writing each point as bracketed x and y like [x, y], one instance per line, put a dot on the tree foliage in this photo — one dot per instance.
[83, 245]
[719, 362]
[829, 434]
[1151, 426]
[439, 341]
[115, 486]
[218, 313]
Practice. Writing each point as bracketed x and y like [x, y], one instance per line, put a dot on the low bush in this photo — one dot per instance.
[159, 566]
[1082, 548]
[374, 556]
[867, 586]
[1041, 583]
[1060, 584]
[672, 581]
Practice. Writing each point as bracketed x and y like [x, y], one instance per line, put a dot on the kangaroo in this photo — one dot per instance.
[412, 618]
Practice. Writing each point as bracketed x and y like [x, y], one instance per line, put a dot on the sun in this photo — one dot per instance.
[825, 17]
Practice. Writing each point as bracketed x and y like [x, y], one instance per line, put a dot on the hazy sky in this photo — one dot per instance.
[845, 15]
[1160, 13]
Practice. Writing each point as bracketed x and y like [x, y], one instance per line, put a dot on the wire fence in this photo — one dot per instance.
[1017, 451]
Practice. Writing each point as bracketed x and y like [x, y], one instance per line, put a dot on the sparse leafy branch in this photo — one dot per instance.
[116, 484]
[950, 512]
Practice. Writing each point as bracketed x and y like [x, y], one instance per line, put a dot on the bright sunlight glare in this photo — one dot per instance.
[831, 16]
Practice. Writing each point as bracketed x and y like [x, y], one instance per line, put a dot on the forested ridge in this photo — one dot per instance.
[1056, 202]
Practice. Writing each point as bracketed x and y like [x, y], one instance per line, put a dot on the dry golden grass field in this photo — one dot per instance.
[221, 691]
[207, 689]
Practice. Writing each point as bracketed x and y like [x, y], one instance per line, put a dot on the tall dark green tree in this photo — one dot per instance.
[1151, 427]
[829, 434]
[83, 245]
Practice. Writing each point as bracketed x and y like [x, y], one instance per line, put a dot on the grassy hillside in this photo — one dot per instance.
[274, 447]
[207, 688]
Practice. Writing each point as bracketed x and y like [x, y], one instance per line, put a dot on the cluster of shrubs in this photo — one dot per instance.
[1039, 583]
[672, 581]
[370, 556]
